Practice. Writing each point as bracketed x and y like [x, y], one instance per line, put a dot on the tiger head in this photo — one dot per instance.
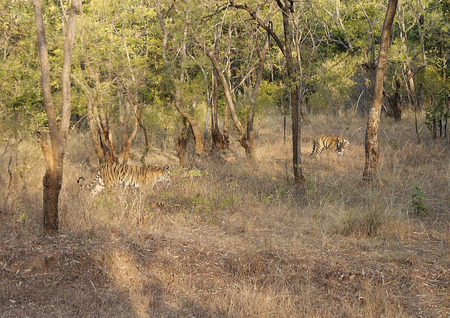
[342, 143]
[166, 173]
[163, 175]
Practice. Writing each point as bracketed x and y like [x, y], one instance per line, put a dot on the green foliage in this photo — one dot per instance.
[277, 195]
[439, 110]
[270, 98]
[432, 82]
[435, 92]
[333, 84]
[201, 203]
[20, 98]
[123, 42]
[194, 173]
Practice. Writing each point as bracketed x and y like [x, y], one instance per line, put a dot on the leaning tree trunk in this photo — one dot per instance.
[54, 153]
[229, 99]
[373, 123]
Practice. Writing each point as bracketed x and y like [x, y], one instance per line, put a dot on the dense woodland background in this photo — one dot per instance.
[129, 57]
[201, 86]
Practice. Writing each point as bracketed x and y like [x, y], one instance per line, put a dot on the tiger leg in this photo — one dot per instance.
[97, 189]
[98, 186]
[314, 148]
[320, 149]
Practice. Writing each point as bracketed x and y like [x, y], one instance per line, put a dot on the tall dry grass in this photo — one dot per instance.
[234, 237]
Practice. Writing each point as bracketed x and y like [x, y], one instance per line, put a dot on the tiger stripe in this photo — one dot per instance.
[113, 174]
[332, 143]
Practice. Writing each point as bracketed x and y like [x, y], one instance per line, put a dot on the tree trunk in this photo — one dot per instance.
[216, 135]
[228, 98]
[99, 150]
[137, 114]
[52, 183]
[250, 150]
[292, 83]
[373, 123]
[407, 70]
[199, 147]
[182, 142]
[54, 154]
[124, 119]
[98, 118]
[286, 9]
[393, 102]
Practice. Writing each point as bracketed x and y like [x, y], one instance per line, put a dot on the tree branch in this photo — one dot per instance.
[261, 23]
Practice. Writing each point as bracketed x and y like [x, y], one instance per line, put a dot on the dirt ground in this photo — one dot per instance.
[83, 276]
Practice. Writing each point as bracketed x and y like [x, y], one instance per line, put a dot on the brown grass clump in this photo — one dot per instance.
[233, 237]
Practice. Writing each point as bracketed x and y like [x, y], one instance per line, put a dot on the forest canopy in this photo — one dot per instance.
[134, 47]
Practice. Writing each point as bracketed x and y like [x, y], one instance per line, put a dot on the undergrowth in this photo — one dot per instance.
[238, 238]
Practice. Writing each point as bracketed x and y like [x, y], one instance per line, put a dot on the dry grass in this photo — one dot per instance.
[235, 238]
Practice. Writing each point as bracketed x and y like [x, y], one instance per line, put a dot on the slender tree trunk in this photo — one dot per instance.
[54, 154]
[373, 123]
[216, 135]
[137, 114]
[195, 128]
[287, 6]
[228, 98]
[199, 147]
[407, 70]
[98, 118]
[163, 29]
[124, 118]
[286, 9]
[182, 142]
[254, 94]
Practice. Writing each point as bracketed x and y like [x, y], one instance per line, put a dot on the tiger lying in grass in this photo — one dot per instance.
[113, 174]
[332, 143]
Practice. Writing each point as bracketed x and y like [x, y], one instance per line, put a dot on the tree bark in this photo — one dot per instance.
[286, 9]
[191, 120]
[199, 147]
[216, 135]
[54, 154]
[368, 68]
[407, 69]
[373, 123]
[228, 97]
[98, 116]
[137, 115]
[250, 150]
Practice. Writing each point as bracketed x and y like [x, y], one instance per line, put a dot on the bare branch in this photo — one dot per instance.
[261, 23]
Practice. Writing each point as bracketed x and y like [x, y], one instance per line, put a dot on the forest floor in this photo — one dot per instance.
[234, 237]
